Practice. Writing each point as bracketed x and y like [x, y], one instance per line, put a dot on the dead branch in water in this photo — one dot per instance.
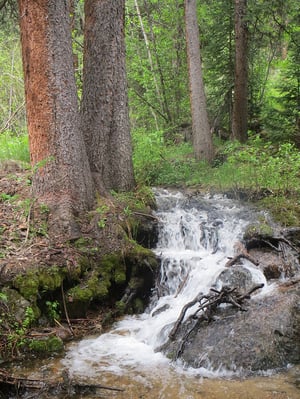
[208, 305]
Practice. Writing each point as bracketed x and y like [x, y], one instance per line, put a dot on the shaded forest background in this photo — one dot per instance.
[159, 93]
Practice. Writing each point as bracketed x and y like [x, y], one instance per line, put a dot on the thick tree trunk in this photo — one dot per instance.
[104, 111]
[202, 139]
[62, 177]
[240, 100]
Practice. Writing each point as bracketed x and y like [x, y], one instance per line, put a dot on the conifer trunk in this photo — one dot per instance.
[202, 139]
[104, 108]
[61, 174]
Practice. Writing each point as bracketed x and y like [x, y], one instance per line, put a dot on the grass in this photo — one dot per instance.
[266, 172]
[14, 147]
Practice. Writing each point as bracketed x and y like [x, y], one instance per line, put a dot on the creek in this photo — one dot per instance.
[196, 238]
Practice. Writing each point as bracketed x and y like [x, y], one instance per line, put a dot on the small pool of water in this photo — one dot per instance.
[168, 383]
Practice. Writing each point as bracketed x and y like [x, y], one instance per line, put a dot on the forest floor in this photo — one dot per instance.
[24, 241]
[25, 244]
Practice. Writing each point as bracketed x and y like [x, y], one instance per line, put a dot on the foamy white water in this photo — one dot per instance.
[196, 238]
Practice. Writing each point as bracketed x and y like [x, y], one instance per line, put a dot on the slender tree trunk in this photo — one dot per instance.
[202, 139]
[158, 66]
[104, 110]
[150, 58]
[240, 100]
[62, 177]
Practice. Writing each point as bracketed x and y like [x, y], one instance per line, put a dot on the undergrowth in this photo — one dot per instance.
[259, 166]
[266, 172]
[14, 147]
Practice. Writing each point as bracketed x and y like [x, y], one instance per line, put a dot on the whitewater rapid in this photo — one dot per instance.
[196, 237]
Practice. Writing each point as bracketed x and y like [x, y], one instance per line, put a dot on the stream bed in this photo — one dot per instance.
[196, 238]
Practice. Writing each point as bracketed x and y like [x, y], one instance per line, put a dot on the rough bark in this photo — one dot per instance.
[202, 139]
[104, 111]
[240, 108]
[61, 174]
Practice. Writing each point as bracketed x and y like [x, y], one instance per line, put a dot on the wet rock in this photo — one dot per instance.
[237, 276]
[146, 231]
[272, 271]
[265, 337]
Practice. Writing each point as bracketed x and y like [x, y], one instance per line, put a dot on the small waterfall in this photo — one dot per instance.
[196, 238]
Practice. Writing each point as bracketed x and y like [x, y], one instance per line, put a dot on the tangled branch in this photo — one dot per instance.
[208, 305]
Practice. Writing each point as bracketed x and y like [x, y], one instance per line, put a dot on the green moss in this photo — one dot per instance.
[39, 280]
[138, 305]
[78, 293]
[120, 277]
[95, 286]
[50, 279]
[46, 345]
[113, 267]
[28, 285]
[141, 258]
[262, 229]
[120, 307]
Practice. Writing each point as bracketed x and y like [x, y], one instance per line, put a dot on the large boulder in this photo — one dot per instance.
[266, 336]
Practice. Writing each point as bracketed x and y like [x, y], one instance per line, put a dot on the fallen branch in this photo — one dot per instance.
[209, 304]
[147, 215]
[66, 310]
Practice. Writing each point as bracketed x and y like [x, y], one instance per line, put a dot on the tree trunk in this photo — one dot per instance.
[62, 177]
[104, 111]
[240, 101]
[202, 139]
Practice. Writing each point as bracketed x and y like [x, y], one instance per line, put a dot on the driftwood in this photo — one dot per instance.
[64, 385]
[208, 307]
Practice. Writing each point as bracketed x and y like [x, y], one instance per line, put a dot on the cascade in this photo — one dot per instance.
[196, 237]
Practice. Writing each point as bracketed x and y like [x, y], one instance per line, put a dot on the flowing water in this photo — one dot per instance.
[196, 238]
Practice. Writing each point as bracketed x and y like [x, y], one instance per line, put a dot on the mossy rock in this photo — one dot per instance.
[46, 345]
[18, 305]
[36, 281]
[258, 230]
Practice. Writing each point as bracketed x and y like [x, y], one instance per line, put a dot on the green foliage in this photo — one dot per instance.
[14, 147]
[158, 163]
[53, 310]
[12, 105]
[3, 297]
[257, 165]
[46, 345]
[157, 71]
[102, 211]
[140, 198]
[261, 165]
[8, 197]
[17, 337]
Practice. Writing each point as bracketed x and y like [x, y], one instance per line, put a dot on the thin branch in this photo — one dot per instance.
[150, 105]
[66, 310]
